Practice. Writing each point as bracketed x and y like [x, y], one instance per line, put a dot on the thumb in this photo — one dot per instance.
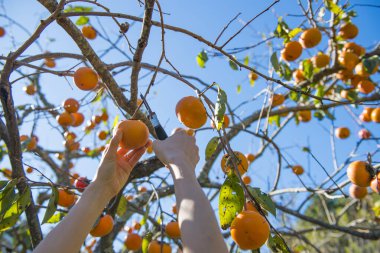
[114, 143]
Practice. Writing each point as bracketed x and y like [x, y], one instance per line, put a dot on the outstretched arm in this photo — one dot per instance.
[200, 232]
[112, 174]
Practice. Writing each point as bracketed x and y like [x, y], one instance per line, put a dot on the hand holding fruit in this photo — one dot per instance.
[117, 163]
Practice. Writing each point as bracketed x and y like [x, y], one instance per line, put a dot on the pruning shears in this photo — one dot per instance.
[160, 132]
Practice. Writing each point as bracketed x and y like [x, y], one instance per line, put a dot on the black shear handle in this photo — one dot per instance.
[160, 132]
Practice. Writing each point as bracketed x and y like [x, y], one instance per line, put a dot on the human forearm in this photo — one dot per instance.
[199, 228]
[78, 222]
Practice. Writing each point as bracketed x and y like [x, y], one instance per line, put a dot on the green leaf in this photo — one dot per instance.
[82, 20]
[307, 68]
[274, 61]
[233, 65]
[294, 32]
[12, 215]
[122, 206]
[319, 92]
[276, 244]
[285, 71]
[295, 96]
[56, 218]
[282, 29]
[115, 121]
[145, 243]
[7, 196]
[231, 200]
[334, 8]
[306, 149]
[211, 147]
[202, 58]
[329, 115]
[319, 115]
[370, 64]
[246, 60]
[263, 199]
[220, 108]
[238, 89]
[78, 8]
[52, 205]
[275, 119]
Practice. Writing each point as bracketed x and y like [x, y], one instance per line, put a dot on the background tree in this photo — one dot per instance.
[293, 109]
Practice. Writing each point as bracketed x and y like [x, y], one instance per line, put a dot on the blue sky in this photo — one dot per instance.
[206, 18]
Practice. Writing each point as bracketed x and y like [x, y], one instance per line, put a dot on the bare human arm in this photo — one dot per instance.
[200, 232]
[113, 172]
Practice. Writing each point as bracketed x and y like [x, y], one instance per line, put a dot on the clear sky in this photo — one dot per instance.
[206, 18]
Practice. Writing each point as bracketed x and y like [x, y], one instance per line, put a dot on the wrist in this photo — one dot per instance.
[182, 170]
[97, 188]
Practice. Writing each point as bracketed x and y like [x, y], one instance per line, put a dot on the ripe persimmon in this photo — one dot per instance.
[348, 31]
[65, 119]
[32, 145]
[298, 76]
[102, 135]
[320, 60]
[358, 174]
[30, 89]
[365, 86]
[89, 32]
[85, 78]
[104, 116]
[103, 227]
[358, 192]
[49, 62]
[66, 198]
[252, 76]
[250, 230]
[149, 149]
[242, 163]
[96, 119]
[191, 132]
[304, 116]
[136, 225]
[298, 170]
[292, 51]
[226, 122]
[246, 179]
[133, 241]
[250, 206]
[354, 48]
[172, 230]
[29, 170]
[69, 135]
[135, 134]
[142, 189]
[375, 115]
[250, 157]
[71, 105]
[310, 38]
[174, 209]
[78, 119]
[2, 31]
[344, 75]
[159, 247]
[191, 112]
[277, 99]
[356, 79]
[348, 60]
[342, 132]
[364, 134]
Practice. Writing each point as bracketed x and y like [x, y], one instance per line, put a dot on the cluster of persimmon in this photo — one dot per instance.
[362, 174]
